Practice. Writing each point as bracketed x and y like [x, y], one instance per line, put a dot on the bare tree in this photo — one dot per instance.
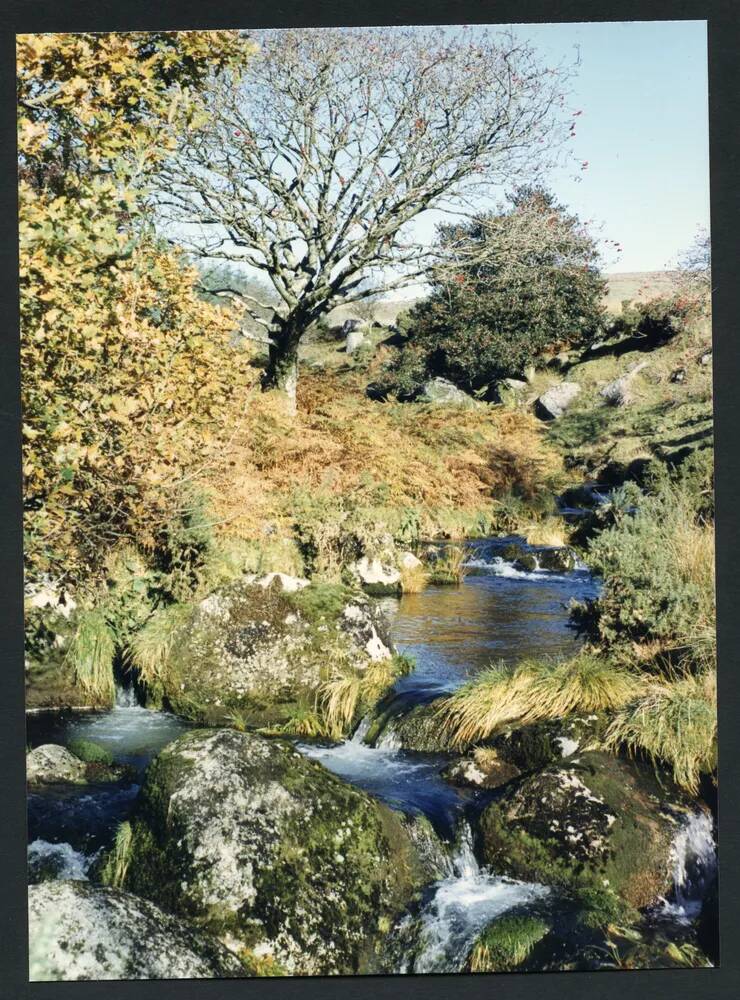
[314, 161]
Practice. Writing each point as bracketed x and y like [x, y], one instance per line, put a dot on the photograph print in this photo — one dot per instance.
[368, 501]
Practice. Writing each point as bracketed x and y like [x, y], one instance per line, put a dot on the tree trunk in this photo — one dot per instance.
[281, 374]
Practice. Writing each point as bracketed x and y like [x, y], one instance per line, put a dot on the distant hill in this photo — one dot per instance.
[638, 286]
[635, 285]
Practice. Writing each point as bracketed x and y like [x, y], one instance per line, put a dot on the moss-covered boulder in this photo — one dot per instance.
[51, 764]
[417, 730]
[82, 932]
[592, 820]
[483, 768]
[532, 747]
[90, 752]
[263, 652]
[270, 851]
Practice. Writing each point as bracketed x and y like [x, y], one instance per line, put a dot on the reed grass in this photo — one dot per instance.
[450, 567]
[151, 647]
[119, 859]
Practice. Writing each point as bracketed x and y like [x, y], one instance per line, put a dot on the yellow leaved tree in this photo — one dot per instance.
[127, 375]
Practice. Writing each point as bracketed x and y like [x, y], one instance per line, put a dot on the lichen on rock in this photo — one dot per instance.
[271, 852]
[263, 651]
[590, 820]
[78, 931]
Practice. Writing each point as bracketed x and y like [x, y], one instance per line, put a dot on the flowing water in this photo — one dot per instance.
[500, 612]
[68, 825]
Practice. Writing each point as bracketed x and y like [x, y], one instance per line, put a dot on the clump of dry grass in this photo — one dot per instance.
[675, 722]
[150, 649]
[533, 691]
[349, 691]
[549, 531]
[413, 579]
[450, 567]
[91, 654]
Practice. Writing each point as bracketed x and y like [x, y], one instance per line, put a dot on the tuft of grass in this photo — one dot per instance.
[151, 647]
[549, 531]
[413, 579]
[91, 654]
[450, 566]
[675, 722]
[533, 691]
[118, 861]
[350, 691]
[507, 943]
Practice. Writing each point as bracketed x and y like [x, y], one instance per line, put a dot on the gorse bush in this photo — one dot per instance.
[514, 284]
[657, 563]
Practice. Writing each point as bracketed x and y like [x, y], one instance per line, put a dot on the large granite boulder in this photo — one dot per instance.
[270, 851]
[555, 401]
[259, 649]
[51, 765]
[590, 820]
[82, 932]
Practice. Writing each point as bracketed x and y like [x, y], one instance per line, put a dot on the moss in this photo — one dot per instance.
[91, 753]
[322, 601]
[506, 943]
[612, 836]
[599, 908]
[337, 865]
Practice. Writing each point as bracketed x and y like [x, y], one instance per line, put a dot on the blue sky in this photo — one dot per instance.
[644, 131]
[642, 87]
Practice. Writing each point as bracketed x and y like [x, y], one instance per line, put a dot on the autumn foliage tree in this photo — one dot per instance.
[314, 162]
[125, 370]
[508, 285]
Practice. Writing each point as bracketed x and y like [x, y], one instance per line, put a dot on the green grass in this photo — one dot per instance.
[151, 647]
[91, 654]
[449, 567]
[118, 860]
[507, 943]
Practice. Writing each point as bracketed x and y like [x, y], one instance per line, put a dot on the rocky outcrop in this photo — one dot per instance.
[591, 820]
[355, 339]
[56, 765]
[261, 649]
[444, 393]
[82, 932]
[555, 401]
[379, 577]
[271, 851]
[618, 391]
[483, 768]
[51, 764]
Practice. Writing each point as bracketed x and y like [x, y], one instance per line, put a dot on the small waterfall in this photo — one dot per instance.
[126, 696]
[694, 857]
[58, 861]
[389, 739]
[464, 862]
[361, 732]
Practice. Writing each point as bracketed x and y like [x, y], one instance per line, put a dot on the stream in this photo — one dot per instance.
[499, 612]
